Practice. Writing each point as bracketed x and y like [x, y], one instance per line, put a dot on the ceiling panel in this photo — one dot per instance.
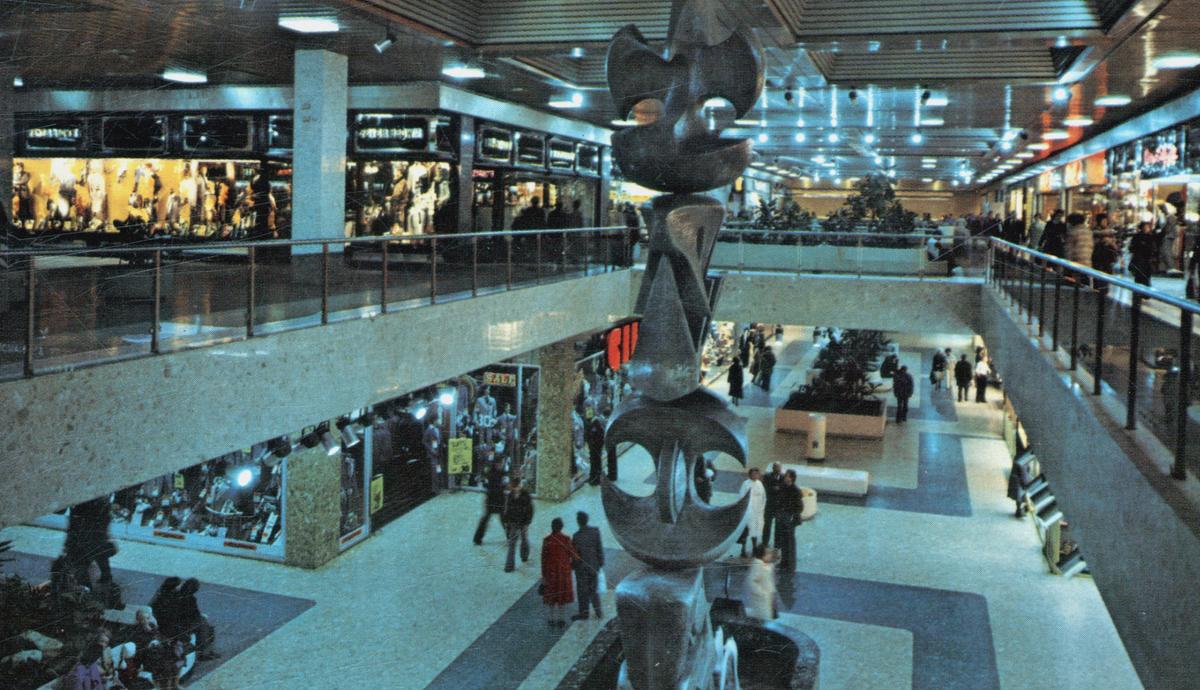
[1011, 63]
[825, 18]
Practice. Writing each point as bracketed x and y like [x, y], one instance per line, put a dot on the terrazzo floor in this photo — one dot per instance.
[897, 595]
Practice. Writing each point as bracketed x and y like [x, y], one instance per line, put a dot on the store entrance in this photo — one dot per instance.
[402, 478]
[517, 200]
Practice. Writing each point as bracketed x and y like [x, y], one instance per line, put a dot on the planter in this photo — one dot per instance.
[844, 425]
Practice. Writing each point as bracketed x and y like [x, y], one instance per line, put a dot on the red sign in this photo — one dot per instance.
[621, 344]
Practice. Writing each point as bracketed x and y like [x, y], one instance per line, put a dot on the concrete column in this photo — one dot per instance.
[319, 157]
[466, 165]
[312, 508]
[556, 397]
[7, 105]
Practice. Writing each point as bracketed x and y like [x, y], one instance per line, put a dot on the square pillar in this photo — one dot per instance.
[7, 131]
[466, 168]
[319, 156]
[312, 507]
[556, 398]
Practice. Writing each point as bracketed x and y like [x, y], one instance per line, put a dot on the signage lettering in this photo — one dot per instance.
[496, 378]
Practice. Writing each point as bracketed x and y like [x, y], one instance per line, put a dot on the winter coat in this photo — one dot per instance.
[736, 379]
[902, 385]
[1142, 248]
[962, 373]
[1080, 244]
[760, 590]
[758, 507]
[518, 510]
[1054, 238]
[558, 559]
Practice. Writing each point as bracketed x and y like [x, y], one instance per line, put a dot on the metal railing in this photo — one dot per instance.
[80, 307]
[1157, 391]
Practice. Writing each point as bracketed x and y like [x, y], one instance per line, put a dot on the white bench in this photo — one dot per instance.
[832, 479]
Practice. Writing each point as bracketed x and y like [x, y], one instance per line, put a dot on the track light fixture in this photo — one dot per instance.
[853, 93]
[348, 433]
[925, 96]
[386, 42]
[331, 445]
[788, 96]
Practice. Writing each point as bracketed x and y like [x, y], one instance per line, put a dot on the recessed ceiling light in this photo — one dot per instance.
[1176, 60]
[18, 82]
[800, 137]
[868, 138]
[932, 122]
[624, 123]
[1113, 100]
[1055, 134]
[927, 180]
[571, 100]
[1060, 94]
[800, 122]
[185, 76]
[1038, 146]
[834, 137]
[928, 160]
[916, 138]
[464, 72]
[746, 123]
[938, 100]
[310, 25]
[577, 52]
[762, 138]
[1078, 121]
[1026, 154]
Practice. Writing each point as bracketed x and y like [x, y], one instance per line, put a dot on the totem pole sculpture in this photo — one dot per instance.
[663, 612]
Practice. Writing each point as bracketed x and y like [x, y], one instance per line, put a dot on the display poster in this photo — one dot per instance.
[217, 133]
[384, 132]
[65, 134]
[460, 454]
[562, 154]
[1161, 154]
[498, 378]
[1073, 174]
[376, 493]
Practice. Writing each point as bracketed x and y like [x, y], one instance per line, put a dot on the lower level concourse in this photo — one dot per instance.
[929, 581]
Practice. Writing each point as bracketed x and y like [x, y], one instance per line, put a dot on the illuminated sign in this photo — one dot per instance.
[495, 144]
[383, 132]
[531, 150]
[496, 378]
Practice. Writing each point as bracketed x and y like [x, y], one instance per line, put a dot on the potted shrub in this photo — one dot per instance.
[842, 389]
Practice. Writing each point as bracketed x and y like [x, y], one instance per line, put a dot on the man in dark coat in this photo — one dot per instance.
[789, 508]
[1143, 248]
[493, 500]
[772, 482]
[902, 388]
[962, 377]
[1054, 237]
[587, 568]
[594, 436]
[516, 516]
[736, 378]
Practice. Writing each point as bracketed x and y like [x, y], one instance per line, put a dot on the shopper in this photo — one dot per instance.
[1054, 237]
[902, 388]
[1142, 247]
[938, 374]
[1036, 227]
[1079, 240]
[1105, 253]
[789, 509]
[516, 518]
[982, 372]
[767, 368]
[757, 510]
[772, 482]
[594, 436]
[493, 500]
[590, 552]
[86, 675]
[558, 558]
[194, 625]
[1016, 492]
[87, 542]
[962, 377]
[735, 377]
[760, 585]
[703, 476]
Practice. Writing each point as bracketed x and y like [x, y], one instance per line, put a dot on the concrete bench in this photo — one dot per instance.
[832, 479]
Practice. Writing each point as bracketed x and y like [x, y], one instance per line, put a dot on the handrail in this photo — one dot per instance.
[1109, 278]
[224, 244]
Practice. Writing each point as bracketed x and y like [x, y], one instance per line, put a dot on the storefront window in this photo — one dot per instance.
[399, 197]
[353, 491]
[219, 199]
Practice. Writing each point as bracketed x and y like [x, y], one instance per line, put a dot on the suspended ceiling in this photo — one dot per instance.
[995, 62]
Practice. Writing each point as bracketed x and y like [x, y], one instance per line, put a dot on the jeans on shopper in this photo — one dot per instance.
[516, 532]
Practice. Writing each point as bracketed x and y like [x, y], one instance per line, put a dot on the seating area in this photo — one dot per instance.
[831, 480]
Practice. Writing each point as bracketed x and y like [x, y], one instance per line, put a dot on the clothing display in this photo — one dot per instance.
[399, 197]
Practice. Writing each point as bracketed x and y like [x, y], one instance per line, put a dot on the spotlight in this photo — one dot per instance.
[788, 96]
[332, 447]
[925, 96]
[446, 398]
[349, 435]
[762, 138]
[917, 137]
[868, 138]
[800, 137]
[281, 447]
[388, 41]
[244, 476]
[853, 94]
[834, 137]
[1060, 94]
[420, 413]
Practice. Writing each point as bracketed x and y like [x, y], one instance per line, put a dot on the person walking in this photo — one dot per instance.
[757, 510]
[594, 436]
[982, 371]
[736, 377]
[703, 478]
[767, 368]
[1054, 237]
[938, 373]
[772, 482]
[493, 500]
[788, 512]
[962, 377]
[1080, 243]
[590, 550]
[1036, 228]
[760, 585]
[902, 388]
[516, 517]
[558, 559]
[1142, 247]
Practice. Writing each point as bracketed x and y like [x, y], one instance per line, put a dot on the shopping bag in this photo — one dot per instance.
[601, 581]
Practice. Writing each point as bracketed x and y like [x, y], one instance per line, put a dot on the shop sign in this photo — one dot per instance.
[142, 133]
[587, 159]
[495, 144]
[216, 133]
[381, 133]
[376, 493]
[460, 455]
[531, 149]
[620, 344]
[59, 135]
[562, 154]
[279, 132]
[1161, 154]
[1073, 174]
[497, 378]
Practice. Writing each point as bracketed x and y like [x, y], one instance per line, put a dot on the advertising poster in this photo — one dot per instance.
[460, 455]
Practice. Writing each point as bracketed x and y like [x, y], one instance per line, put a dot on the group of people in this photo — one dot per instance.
[775, 502]
[943, 366]
[754, 346]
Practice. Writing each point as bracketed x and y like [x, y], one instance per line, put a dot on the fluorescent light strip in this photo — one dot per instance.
[1113, 100]
[184, 76]
[310, 25]
[464, 72]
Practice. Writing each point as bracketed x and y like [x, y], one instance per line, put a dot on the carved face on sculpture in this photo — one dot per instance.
[672, 149]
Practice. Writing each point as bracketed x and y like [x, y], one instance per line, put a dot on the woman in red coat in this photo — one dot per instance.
[558, 559]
